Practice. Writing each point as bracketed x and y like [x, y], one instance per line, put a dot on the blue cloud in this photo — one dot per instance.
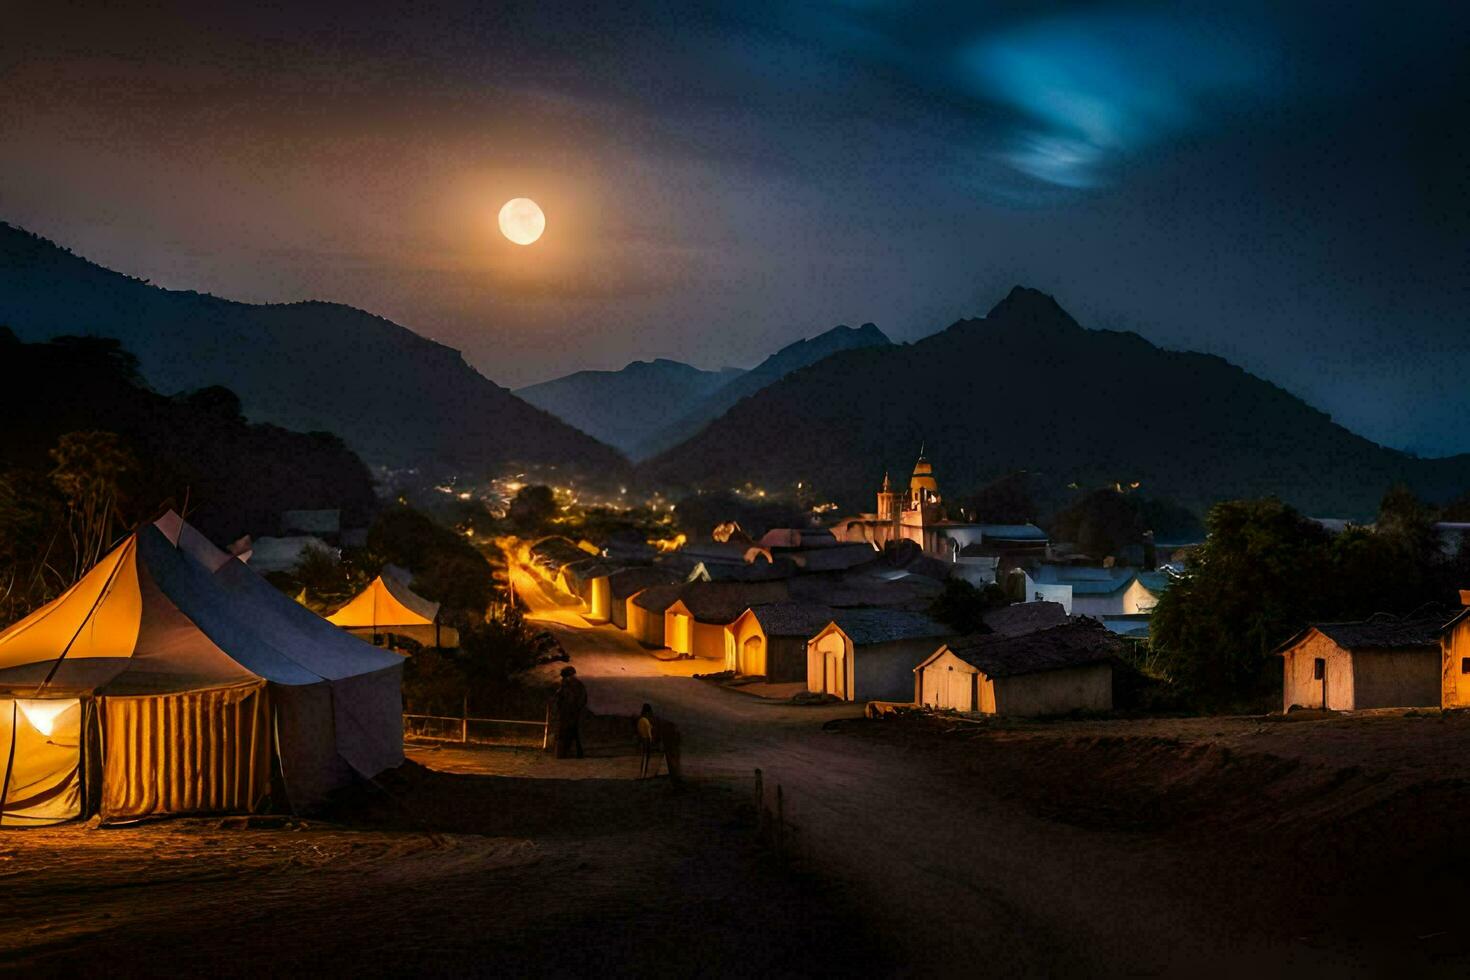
[1091, 89]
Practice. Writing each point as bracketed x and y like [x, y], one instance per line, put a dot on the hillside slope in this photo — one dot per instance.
[236, 477]
[1028, 388]
[393, 396]
[792, 357]
[623, 408]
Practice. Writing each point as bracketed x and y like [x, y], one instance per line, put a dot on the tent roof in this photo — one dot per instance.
[385, 602]
[149, 618]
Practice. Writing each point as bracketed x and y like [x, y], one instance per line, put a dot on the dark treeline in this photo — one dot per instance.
[1265, 572]
[90, 452]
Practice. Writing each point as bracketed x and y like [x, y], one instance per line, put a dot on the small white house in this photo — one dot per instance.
[1351, 666]
[1091, 591]
[869, 654]
[1049, 672]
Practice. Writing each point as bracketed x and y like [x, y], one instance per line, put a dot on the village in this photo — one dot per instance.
[729, 489]
[855, 689]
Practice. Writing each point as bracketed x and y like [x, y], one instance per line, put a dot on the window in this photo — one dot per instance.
[1465, 665]
[1319, 667]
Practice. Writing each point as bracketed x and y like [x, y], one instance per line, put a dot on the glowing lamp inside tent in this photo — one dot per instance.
[43, 714]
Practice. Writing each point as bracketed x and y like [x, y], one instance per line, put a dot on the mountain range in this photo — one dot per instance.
[623, 407]
[1027, 387]
[649, 406]
[395, 397]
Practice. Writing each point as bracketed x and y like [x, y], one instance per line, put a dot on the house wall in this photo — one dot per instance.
[829, 647]
[1298, 685]
[1138, 599]
[984, 694]
[618, 611]
[747, 630]
[885, 671]
[647, 627]
[1454, 681]
[1055, 692]
[1044, 592]
[712, 641]
[679, 629]
[947, 682]
[785, 659]
[599, 599]
[979, 572]
[1404, 678]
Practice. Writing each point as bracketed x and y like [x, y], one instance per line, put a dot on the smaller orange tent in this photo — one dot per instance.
[389, 606]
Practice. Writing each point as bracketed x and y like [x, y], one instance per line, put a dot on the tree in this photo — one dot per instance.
[328, 580]
[962, 607]
[216, 400]
[446, 568]
[532, 507]
[33, 559]
[1263, 573]
[89, 473]
[1005, 501]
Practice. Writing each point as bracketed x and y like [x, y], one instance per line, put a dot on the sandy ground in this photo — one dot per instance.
[1159, 846]
[554, 868]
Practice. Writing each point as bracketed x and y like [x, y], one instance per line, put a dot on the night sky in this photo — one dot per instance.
[1284, 184]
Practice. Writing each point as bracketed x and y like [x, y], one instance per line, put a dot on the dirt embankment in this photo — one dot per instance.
[1344, 832]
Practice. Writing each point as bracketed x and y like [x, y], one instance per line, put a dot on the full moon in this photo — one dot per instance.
[521, 221]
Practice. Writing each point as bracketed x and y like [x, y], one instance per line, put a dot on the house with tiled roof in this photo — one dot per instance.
[1087, 590]
[1383, 662]
[869, 654]
[646, 609]
[625, 583]
[770, 640]
[698, 621]
[1048, 672]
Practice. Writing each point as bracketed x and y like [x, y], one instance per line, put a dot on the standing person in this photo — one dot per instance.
[655, 734]
[645, 738]
[570, 701]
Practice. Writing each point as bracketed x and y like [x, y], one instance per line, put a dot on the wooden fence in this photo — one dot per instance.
[484, 731]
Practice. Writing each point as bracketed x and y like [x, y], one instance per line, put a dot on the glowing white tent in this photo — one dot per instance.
[171, 679]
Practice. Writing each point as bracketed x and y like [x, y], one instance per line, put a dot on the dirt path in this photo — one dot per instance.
[961, 876]
[465, 873]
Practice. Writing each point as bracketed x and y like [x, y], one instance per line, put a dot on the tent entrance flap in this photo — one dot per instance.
[186, 753]
[40, 761]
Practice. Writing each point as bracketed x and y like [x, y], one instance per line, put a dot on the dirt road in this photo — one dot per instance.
[961, 872]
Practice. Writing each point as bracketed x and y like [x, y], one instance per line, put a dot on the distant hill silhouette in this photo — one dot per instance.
[790, 358]
[237, 477]
[395, 397]
[622, 408]
[1028, 388]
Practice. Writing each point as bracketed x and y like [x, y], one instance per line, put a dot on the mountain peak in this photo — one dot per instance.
[1029, 307]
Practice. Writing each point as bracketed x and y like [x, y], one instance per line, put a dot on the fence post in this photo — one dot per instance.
[780, 822]
[760, 803]
[464, 723]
